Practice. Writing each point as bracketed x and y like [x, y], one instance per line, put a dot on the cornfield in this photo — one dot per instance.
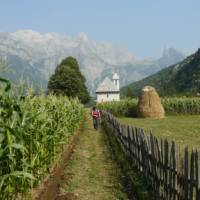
[172, 105]
[182, 105]
[120, 108]
[33, 131]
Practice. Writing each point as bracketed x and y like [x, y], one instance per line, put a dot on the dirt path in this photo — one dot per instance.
[49, 187]
[90, 174]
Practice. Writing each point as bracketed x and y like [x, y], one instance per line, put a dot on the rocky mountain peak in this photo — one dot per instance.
[43, 51]
[170, 56]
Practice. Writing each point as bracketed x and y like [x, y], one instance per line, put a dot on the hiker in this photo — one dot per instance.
[95, 116]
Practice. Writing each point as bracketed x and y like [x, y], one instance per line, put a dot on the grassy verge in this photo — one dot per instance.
[133, 181]
[184, 129]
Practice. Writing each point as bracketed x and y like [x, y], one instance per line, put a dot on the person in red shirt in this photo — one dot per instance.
[95, 116]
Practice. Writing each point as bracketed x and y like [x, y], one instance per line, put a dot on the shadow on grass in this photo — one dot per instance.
[134, 183]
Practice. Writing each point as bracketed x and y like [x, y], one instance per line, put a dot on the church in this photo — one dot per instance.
[109, 90]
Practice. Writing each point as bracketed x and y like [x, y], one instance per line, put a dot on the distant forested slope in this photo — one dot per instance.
[179, 79]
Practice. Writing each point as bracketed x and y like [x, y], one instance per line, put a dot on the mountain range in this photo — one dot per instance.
[33, 56]
[183, 78]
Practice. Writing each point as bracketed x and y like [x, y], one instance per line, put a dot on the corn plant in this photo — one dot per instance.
[33, 131]
[172, 105]
[120, 108]
[182, 105]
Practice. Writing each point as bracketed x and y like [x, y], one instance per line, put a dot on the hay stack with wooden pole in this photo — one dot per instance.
[149, 104]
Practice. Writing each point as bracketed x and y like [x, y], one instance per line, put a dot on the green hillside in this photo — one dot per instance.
[179, 79]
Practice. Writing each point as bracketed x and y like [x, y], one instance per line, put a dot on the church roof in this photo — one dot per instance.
[115, 76]
[107, 86]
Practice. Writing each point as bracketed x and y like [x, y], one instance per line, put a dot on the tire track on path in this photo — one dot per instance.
[90, 173]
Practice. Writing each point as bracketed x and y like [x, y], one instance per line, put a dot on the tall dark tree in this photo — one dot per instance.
[68, 80]
[129, 92]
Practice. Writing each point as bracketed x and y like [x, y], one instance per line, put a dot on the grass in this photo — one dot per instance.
[91, 174]
[184, 129]
[135, 184]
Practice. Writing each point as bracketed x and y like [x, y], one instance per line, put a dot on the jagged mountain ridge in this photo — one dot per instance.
[42, 52]
[182, 78]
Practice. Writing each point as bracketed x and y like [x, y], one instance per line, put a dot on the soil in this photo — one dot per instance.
[49, 188]
[90, 173]
[86, 171]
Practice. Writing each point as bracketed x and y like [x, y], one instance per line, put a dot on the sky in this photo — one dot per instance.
[144, 27]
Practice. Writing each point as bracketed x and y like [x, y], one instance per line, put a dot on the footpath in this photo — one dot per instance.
[90, 173]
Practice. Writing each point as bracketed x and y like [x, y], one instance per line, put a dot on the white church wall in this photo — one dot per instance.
[107, 97]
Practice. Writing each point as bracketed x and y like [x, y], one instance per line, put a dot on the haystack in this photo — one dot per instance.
[149, 104]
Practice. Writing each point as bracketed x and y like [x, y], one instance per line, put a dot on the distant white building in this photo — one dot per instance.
[108, 90]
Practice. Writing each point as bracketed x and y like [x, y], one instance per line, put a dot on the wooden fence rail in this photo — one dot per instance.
[172, 172]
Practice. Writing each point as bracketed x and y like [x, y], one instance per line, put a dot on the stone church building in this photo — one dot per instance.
[108, 90]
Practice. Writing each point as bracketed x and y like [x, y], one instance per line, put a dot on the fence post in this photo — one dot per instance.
[172, 174]
[192, 164]
[186, 174]
[197, 175]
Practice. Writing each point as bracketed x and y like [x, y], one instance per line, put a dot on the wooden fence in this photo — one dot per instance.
[172, 172]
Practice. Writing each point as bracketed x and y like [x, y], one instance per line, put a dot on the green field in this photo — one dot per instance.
[184, 129]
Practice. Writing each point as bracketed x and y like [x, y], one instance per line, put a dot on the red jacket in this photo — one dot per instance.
[95, 114]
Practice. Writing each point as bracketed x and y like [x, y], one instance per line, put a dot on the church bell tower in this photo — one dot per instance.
[115, 80]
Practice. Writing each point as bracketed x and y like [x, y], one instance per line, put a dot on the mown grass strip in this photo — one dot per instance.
[184, 129]
[135, 185]
[91, 174]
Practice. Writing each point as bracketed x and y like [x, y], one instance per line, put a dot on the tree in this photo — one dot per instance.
[129, 92]
[68, 80]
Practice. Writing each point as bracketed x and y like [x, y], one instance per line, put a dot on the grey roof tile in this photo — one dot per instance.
[107, 86]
